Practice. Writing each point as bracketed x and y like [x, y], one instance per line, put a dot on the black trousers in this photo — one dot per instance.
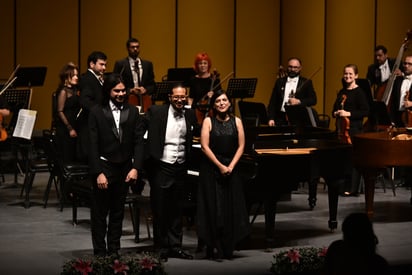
[166, 194]
[108, 203]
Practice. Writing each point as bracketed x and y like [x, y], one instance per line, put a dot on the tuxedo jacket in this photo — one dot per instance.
[374, 72]
[91, 91]
[395, 114]
[304, 92]
[157, 122]
[115, 147]
[147, 80]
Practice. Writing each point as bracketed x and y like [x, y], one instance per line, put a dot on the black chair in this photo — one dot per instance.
[67, 174]
[34, 161]
[253, 113]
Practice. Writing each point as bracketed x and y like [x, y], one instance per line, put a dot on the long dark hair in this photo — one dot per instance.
[110, 81]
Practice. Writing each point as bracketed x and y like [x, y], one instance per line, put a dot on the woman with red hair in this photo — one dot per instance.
[202, 85]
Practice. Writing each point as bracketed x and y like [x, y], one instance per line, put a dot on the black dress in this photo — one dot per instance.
[66, 144]
[222, 217]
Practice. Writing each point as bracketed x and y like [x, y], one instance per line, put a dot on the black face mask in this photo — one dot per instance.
[293, 74]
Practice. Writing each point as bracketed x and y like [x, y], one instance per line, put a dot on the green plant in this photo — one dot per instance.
[132, 264]
[296, 260]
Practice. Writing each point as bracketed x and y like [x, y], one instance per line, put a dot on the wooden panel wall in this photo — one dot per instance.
[251, 38]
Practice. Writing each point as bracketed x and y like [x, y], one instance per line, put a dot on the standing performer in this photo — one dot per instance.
[138, 76]
[115, 155]
[291, 91]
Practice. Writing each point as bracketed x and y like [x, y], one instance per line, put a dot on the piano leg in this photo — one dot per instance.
[270, 214]
[333, 195]
[313, 186]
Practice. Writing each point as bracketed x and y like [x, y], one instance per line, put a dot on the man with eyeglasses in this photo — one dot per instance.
[115, 157]
[171, 128]
[137, 74]
[292, 90]
[401, 101]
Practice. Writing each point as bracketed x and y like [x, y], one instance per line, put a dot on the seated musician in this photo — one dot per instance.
[137, 74]
[4, 112]
[202, 85]
[290, 89]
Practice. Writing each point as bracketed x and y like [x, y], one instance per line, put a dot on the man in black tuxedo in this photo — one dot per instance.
[401, 100]
[115, 156]
[379, 72]
[137, 74]
[291, 89]
[90, 86]
[170, 132]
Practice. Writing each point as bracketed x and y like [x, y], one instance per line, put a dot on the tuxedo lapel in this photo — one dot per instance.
[110, 119]
[124, 114]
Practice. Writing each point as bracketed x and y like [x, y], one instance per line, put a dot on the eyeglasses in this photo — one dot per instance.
[294, 67]
[407, 63]
[177, 97]
[119, 90]
[134, 47]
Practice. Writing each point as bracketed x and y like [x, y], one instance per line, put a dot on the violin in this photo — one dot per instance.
[3, 132]
[343, 125]
[407, 114]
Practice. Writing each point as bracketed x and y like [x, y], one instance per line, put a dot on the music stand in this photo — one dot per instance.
[241, 87]
[30, 76]
[180, 74]
[162, 90]
[300, 116]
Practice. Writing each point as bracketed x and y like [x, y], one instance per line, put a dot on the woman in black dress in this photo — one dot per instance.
[67, 107]
[222, 216]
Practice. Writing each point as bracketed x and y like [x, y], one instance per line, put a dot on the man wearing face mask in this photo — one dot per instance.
[171, 128]
[116, 151]
[291, 89]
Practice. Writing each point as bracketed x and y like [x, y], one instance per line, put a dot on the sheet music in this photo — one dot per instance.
[25, 124]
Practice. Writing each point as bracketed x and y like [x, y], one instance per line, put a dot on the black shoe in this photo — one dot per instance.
[137, 239]
[178, 253]
[163, 257]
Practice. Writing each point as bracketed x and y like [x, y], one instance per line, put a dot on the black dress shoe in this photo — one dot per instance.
[163, 257]
[178, 253]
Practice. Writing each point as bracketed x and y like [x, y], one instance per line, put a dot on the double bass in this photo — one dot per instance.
[385, 91]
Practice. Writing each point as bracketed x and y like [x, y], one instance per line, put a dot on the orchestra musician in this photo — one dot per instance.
[91, 93]
[355, 108]
[401, 87]
[67, 106]
[202, 85]
[138, 76]
[291, 89]
[379, 72]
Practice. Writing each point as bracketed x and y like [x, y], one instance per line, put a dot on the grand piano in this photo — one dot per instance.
[281, 158]
[375, 151]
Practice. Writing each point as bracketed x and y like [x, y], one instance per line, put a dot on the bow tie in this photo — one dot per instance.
[409, 77]
[292, 79]
[178, 114]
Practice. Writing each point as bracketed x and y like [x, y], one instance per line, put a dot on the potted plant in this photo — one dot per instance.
[131, 264]
[302, 260]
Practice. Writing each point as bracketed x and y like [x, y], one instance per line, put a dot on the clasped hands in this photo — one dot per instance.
[103, 183]
[342, 113]
[138, 90]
